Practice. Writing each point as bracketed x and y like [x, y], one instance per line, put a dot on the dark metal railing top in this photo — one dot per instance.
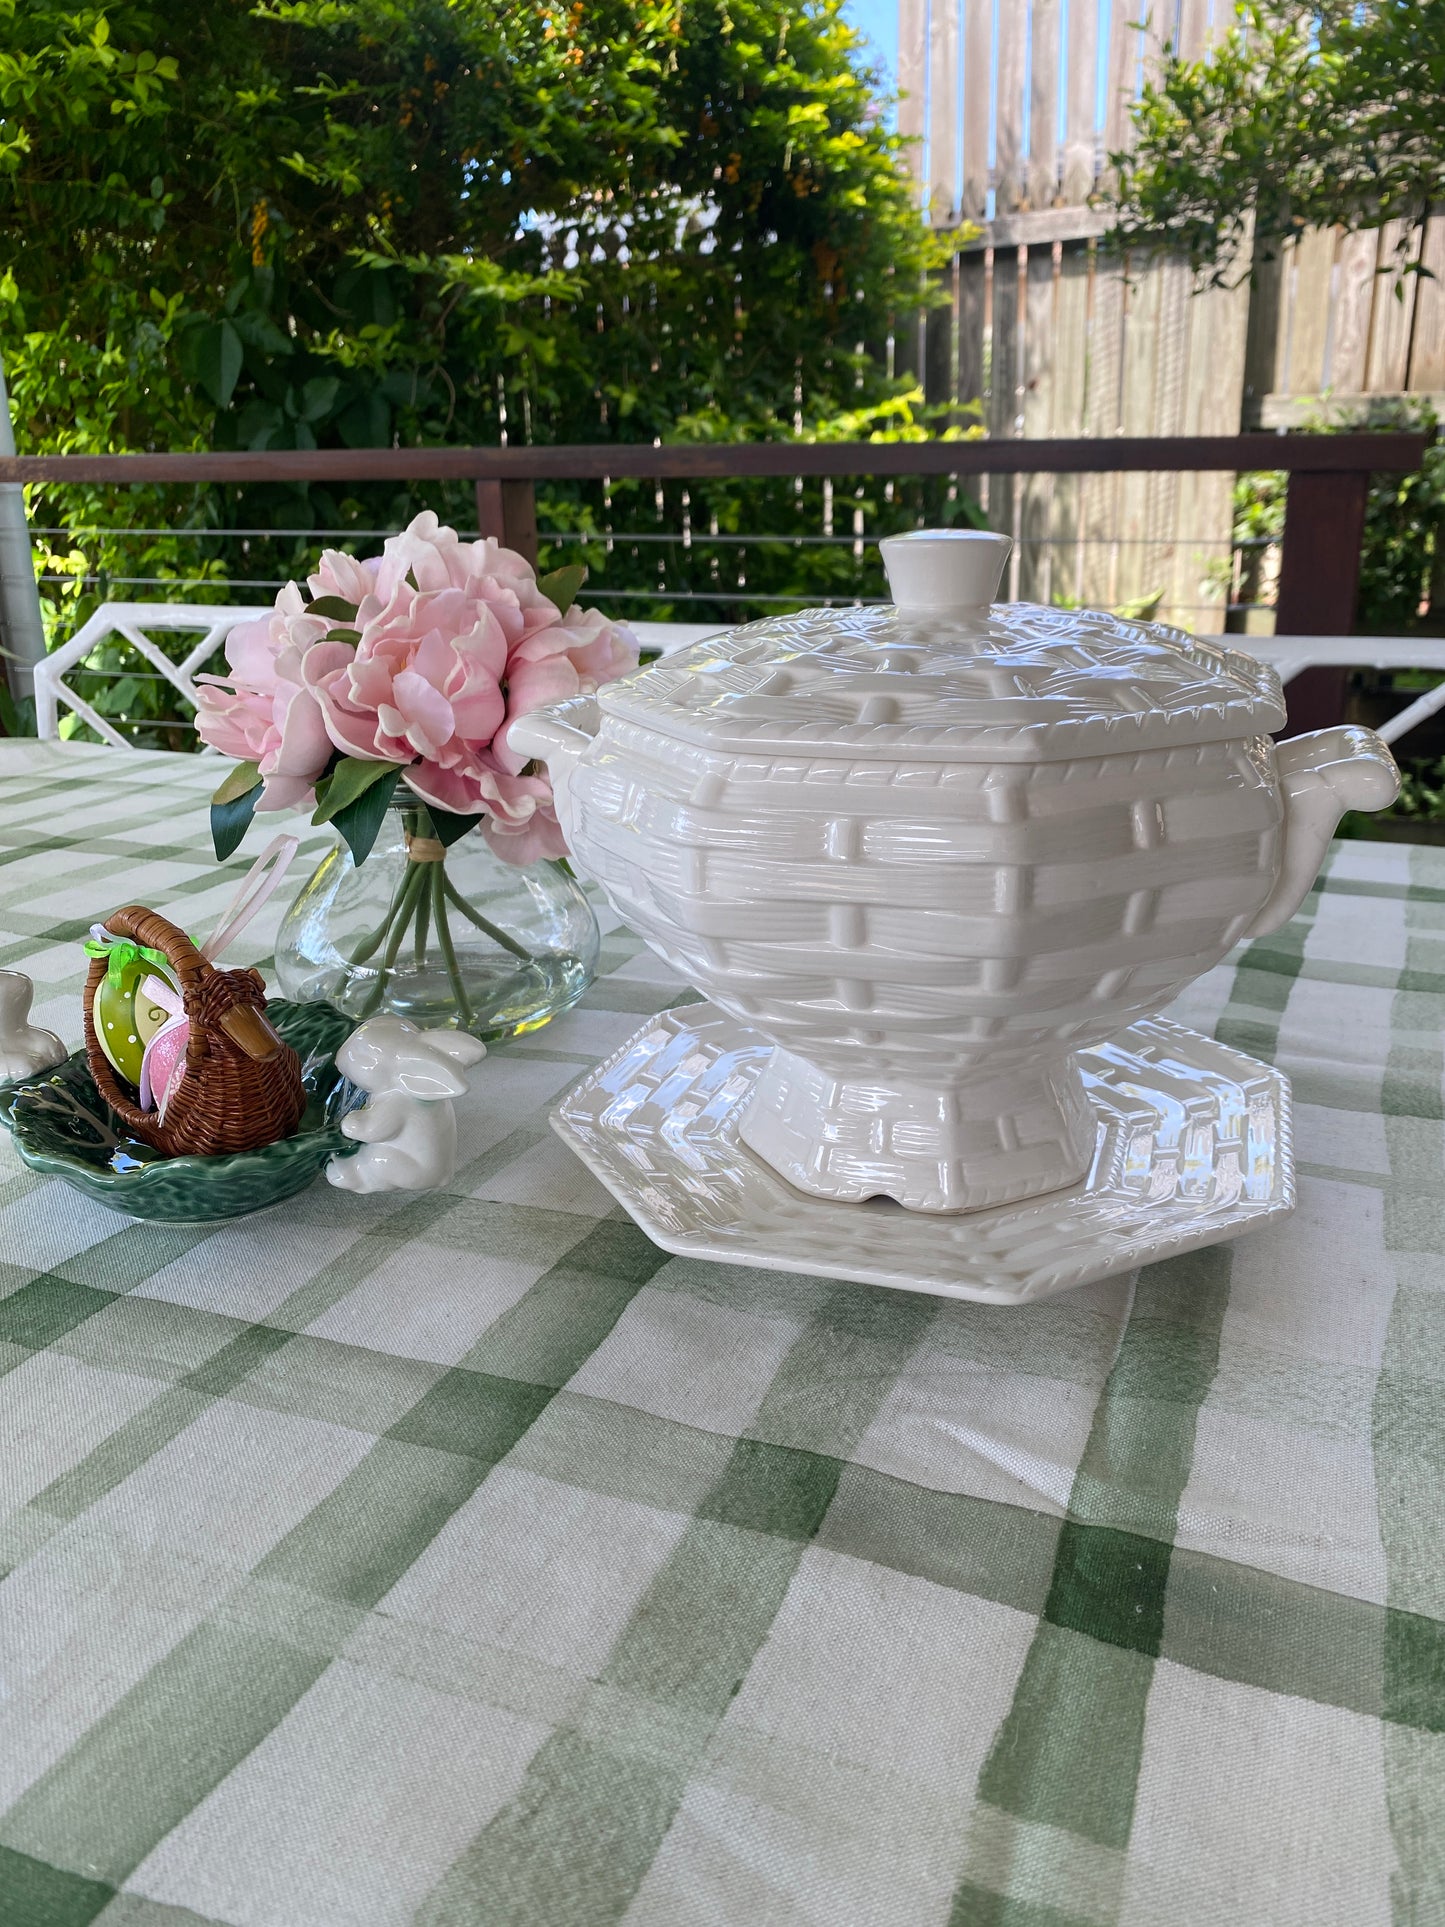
[589, 461]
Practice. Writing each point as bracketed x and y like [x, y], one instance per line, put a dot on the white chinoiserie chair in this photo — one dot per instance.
[138, 624]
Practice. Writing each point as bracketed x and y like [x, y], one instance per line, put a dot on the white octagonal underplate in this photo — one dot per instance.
[1193, 1146]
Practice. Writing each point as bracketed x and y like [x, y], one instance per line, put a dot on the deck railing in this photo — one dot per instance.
[1324, 509]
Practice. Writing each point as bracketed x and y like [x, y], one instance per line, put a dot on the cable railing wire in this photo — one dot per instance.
[674, 596]
[733, 595]
[812, 598]
[685, 540]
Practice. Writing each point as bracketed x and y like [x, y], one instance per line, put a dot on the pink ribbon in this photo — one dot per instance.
[257, 887]
[164, 1062]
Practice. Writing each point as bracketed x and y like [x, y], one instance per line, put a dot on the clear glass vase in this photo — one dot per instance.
[450, 940]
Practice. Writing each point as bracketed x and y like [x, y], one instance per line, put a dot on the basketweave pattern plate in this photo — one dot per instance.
[1193, 1146]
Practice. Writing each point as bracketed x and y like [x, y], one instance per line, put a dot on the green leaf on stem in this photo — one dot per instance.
[561, 585]
[359, 822]
[332, 605]
[218, 352]
[244, 777]
[351, 778]
[449, 827]
[232, 807]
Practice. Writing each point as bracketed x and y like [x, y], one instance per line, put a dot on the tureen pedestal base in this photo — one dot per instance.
[955, 1143]
[1192, 1144]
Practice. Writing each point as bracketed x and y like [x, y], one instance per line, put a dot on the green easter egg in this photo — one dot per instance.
[126, 1021]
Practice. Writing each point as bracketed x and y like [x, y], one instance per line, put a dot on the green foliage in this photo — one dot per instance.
[1402, 558]
[231, 815]
[1421, 801]
[1139, 608]
[1402, 585]
[238, 781]
[1422, 790]
[350, 778]
[1402, 554]
[1307, 113]
[448, 827]
[561, 585]
[359, 223]
[360, 819]
[16, 718]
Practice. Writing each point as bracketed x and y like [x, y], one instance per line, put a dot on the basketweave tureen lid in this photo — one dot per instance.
[946, 674]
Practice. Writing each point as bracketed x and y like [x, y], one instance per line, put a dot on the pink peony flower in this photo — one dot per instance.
[435, 557]
[343, 575]
[540, 836]
[454, 641]
[572, 658]
[262, 712]
[423, 681]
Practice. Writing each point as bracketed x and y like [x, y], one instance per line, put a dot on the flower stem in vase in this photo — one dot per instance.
[444, 935]
[369, 946]
[489, 929]
[375, 936]
[423, 926]
[401, 915]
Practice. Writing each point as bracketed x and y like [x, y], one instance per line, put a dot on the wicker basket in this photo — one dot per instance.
[242, 1087]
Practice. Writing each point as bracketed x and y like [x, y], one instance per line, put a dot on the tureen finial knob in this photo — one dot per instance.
[938, 571]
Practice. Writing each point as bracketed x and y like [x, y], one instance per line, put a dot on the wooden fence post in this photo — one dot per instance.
[508, 511]
[1319, 582]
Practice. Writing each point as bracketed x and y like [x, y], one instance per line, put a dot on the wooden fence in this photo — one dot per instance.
[1330, 338]
[1044, 334]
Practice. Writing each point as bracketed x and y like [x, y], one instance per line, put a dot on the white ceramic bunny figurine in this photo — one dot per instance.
[25, 1050]
[407, 1129]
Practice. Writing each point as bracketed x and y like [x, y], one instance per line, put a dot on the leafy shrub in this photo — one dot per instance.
[367, 223]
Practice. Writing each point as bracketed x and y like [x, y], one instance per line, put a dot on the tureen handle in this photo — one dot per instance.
[1320, 777]
[558, 736]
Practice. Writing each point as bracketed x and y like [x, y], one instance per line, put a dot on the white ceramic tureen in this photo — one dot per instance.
[931, 852]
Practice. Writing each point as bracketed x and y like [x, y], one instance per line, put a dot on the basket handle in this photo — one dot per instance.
[150, 932]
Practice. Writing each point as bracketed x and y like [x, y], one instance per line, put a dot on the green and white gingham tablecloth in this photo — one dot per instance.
[465, 1559]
